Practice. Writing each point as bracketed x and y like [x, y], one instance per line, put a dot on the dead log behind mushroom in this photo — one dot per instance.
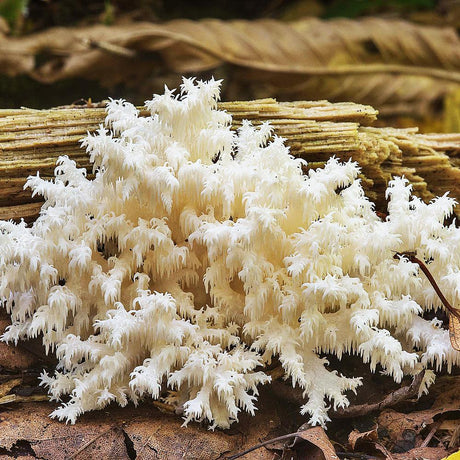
[32, 140]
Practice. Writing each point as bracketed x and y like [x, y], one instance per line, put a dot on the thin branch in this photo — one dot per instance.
[265, 443]
[356, 455]
[23, 399]
[141, 450]
[91, 441]
[432, 432]
[392, 399]
[412, 258]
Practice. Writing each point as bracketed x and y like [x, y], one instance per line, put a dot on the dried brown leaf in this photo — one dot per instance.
[448, 400]
[319, 438]
[393, 398]
[454, 332]
[122, 433]
[49, 439]
[453, 429]
[385, 62]
[356, 435]
[425, 453]
[404, 429]
[396, 423]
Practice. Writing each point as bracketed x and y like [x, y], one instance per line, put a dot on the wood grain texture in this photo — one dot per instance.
[32, 140]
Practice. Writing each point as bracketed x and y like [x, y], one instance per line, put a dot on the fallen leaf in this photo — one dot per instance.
[48, 439]
[392, 64]
[449, 425]
[384, 450]
[448, 400]
[319, 438]
[396, 423]
[123, 433]
[356, 435]
[453, 432]
[391, 399]
[404, 429]
[425, 453]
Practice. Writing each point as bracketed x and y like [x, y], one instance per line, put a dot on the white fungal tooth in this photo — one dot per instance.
[197, 254]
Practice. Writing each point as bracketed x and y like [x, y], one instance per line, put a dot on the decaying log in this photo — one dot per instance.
[32, 140]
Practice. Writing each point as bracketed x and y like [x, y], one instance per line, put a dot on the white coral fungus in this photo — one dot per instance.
[198, 254]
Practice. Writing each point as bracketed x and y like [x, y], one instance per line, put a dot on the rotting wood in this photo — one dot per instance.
[32, 140]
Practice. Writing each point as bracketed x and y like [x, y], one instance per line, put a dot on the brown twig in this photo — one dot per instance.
[412, 258]
[432, 432]
[8, 399]
[453, 443]
[384, 451]
[91, 441]
[392, 399]
[356, 455]
[265, 443]
[141, 450]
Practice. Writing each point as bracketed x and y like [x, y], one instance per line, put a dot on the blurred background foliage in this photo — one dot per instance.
[433, 106]
[30, 15]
